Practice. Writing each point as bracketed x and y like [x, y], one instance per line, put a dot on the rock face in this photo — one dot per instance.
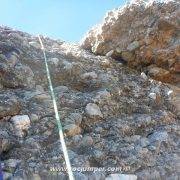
[146, 34]
[116, 121]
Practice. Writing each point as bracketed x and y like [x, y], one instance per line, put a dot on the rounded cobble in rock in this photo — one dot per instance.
[61, 89]
[76, 118]
[87, 141]
[34, 117]
[21, 124]
[9, 105]
[72, 130]
[121, 177]
[35, 44]
[93, 111]
[89, 75]
[159, 136]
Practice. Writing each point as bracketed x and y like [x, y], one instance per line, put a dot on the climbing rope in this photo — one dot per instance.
[61, 136]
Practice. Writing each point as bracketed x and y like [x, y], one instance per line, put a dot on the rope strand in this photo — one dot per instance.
[61, 136]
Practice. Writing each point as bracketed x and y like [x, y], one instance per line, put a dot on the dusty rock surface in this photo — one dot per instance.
[113, 116]
[143, 34]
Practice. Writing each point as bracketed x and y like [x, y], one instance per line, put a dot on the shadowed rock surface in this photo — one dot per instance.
[112, 115]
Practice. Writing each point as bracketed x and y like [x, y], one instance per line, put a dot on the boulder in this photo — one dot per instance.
[21, 124]
[9, 105]
[93, 111]
[142, 33]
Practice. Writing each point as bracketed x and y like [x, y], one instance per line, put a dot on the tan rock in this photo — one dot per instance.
[144, 32]
[160, 74]
[72, 130]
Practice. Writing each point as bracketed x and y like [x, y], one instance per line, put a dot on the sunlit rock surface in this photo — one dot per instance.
[113, 117]
[145, 34]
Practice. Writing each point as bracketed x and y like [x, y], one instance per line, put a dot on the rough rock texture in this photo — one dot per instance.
[113, 117]
[21, 123]
[145, 34]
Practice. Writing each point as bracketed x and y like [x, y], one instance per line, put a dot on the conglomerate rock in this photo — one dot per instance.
[145, 34]
[114, 118]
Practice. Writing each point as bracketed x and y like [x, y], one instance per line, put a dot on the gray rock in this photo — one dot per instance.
[9, 105]
[22, 76]
[97, 176]
[143, 75]
[76, 118]
[121, 177]
[80, 176]
[34, 117]
[11, 164]
[134, 45]
[21, 124]
[54, 61]
[7, 175]
[93, 111]
[136, 133]
[35, 44]
[152, 95]
[87, 141]
[144, 142]
[159, 136]
[102, 95]
[89, 75]
[6, 144]
[61, 89]
[109, 54]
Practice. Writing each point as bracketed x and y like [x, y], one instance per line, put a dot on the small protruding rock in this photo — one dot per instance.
[35, 44]
[89, 75]
[54, 61]
[93, 110]
[102, 95]
[159, 136]
[61, 89]
[87, 141]
[134, 45]
[21, 124]
[110, 53]
[9, 105]
[72, 130]
[152, 96]
[121, 177]
[143, 75]
[76, 118]
[34, 117]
